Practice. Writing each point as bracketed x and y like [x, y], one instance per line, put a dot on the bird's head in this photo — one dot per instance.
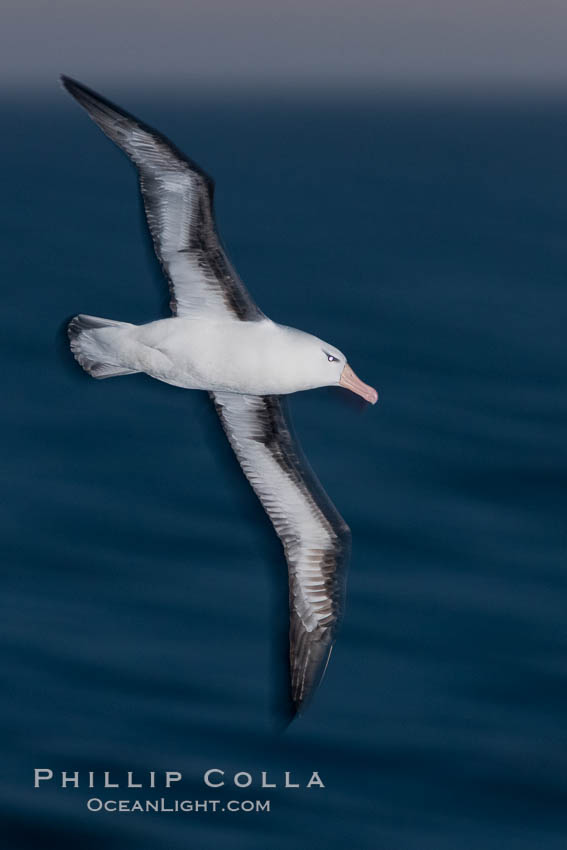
[320, 364]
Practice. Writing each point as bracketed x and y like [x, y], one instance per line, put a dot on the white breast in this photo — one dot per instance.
[255, 357]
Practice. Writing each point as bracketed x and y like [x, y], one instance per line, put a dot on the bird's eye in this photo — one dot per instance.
[331, 358]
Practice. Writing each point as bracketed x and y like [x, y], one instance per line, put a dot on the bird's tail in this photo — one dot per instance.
[93, 344]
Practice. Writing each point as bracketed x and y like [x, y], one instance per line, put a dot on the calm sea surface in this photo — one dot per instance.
[143, 596]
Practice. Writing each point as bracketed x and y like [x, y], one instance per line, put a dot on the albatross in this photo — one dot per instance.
[218, 340]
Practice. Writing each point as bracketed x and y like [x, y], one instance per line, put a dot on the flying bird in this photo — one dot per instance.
[218, 340]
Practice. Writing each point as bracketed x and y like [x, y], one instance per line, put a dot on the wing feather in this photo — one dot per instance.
[178, 201]
[315, 538]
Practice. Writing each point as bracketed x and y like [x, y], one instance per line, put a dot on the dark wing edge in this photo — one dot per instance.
[178, 201]
[315, 538]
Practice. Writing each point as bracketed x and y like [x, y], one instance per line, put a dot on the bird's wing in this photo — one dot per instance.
[315, 538]
[178, 200]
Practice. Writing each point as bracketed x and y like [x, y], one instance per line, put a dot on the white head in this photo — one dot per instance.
[310, 362]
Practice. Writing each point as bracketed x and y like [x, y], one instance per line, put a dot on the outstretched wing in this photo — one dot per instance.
[178, 200]
[315, 538]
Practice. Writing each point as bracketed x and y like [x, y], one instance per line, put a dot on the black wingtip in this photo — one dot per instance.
[90, 99]
[285, 717]
[86, 97]
[74, 86]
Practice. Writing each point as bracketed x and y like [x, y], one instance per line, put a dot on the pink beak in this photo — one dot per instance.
[351, 382]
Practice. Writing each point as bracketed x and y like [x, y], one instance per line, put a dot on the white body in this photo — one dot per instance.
[259, 357]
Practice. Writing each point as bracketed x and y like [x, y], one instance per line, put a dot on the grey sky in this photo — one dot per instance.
[262, 43]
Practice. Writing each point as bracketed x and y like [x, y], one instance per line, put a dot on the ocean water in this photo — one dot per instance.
[143, 591]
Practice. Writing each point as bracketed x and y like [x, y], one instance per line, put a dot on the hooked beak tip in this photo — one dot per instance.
[353, 383]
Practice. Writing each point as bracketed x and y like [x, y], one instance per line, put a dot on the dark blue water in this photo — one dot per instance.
[141, 582]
